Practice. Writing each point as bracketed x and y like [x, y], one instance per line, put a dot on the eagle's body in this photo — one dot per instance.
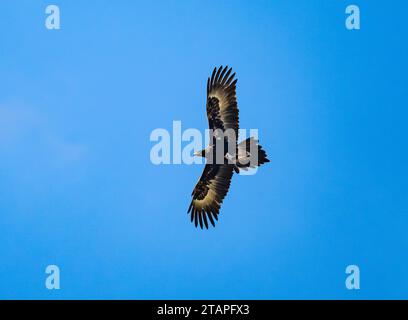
[224, 155]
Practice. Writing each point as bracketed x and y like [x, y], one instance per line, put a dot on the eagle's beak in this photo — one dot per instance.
[197, 154]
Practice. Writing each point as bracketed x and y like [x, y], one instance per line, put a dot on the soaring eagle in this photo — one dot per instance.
[223, 121]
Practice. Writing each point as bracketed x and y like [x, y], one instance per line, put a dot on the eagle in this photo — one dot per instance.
[224, 156]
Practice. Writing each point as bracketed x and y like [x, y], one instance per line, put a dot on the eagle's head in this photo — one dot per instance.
[200, 153]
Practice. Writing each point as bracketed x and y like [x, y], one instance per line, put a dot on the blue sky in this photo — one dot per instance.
[77, 188]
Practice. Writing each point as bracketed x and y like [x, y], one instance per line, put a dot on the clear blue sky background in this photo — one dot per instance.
[77, 188]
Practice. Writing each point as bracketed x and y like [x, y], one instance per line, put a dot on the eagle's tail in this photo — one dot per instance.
[250, 155]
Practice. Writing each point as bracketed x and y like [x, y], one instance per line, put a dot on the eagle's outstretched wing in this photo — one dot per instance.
[222, 109]
[209, 193]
